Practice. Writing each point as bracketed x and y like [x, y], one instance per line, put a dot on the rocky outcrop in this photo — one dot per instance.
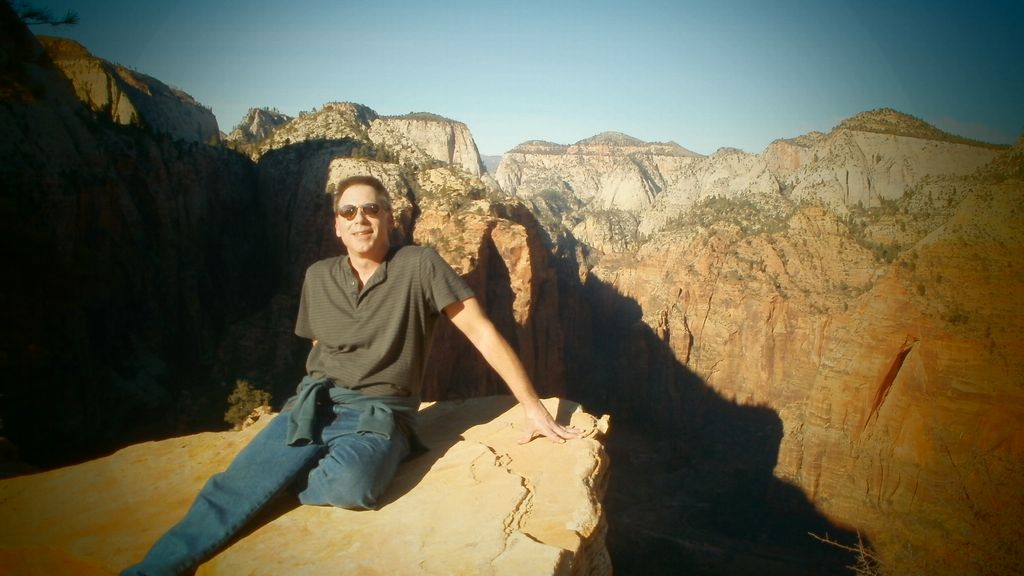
[612, 179]
[439, 139]
[334, 121]
[727, 174]
[607, 171]
[259, 123]
[866, 169]
[129, 97]
[477, 503]
[414, 140]
[500, 249]
[785, 156]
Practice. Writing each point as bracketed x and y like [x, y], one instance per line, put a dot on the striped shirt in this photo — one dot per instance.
[378, 335]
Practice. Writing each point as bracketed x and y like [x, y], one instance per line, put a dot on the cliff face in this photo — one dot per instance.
[129, 253]
[612, 191]
[477, 502]
[608, 171]
[440, 139]
[415, 140]
[257, 125]
[868, 168]
[916, 397]
[129, 97]
[882, 332]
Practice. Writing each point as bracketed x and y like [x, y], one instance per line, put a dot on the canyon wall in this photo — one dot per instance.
[129, 253]
[860, 284]
[130, 97]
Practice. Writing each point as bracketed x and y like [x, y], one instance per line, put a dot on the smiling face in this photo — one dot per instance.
[364, 236]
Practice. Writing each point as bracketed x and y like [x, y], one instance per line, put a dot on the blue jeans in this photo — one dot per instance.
[345, 469]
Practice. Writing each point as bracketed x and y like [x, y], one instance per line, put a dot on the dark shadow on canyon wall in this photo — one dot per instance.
[124, 267]
[692, 489]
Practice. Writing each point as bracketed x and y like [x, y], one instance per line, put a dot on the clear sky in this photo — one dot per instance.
[737, 73]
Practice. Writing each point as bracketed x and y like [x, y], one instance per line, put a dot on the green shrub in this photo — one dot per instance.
[243, 400]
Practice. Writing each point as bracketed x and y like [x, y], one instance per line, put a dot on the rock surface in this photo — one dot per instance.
[477, 503]
[419, 140]
[440, 139]
[258, 124]
[129, 97]
[617, 190]
[129, 253]
[607, 171]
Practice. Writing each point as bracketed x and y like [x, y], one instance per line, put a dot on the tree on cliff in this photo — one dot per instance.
[33, 16]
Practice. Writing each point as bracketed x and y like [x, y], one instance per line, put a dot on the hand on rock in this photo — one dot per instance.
[540, 423]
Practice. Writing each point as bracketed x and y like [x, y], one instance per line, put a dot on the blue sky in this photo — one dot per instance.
[703, 74]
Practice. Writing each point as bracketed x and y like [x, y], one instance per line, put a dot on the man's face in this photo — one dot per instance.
[364, 235]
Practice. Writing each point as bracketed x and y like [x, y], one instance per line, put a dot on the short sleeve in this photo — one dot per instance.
[302, 324]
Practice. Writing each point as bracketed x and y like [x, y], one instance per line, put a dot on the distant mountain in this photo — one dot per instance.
[416, 140]
[892, 122]
[870, 158]
[258, 124]
[612, 139]
[491, 163]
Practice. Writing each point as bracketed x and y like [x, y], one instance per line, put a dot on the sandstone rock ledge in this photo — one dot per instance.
[477, 503]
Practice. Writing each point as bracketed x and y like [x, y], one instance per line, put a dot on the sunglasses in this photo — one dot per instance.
[371, 209]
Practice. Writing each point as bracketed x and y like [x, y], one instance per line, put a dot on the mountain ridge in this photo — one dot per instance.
[130, 97]
[893, 122]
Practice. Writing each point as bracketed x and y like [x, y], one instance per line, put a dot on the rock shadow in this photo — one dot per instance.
[691, 487]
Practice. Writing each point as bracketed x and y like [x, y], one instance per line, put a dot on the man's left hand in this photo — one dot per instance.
[540, 423]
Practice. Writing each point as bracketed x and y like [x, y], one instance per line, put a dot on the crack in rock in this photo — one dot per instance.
[516, 519]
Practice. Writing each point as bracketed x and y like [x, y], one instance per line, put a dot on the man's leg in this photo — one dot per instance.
[230, 499]
[357, 468]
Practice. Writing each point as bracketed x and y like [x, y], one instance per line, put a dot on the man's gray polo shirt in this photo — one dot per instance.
[378, 335]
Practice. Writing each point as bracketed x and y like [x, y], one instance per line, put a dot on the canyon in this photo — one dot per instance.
[862, 286]
[821, 338]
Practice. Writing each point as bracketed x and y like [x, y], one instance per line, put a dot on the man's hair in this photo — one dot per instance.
[377, 185]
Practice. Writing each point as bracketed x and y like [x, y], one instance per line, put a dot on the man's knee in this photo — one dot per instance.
[358, 494]
[349, 491]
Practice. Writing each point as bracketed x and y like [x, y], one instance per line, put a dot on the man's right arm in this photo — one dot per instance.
[471, 320]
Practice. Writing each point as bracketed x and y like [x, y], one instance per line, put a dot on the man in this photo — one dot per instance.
[370, 315]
